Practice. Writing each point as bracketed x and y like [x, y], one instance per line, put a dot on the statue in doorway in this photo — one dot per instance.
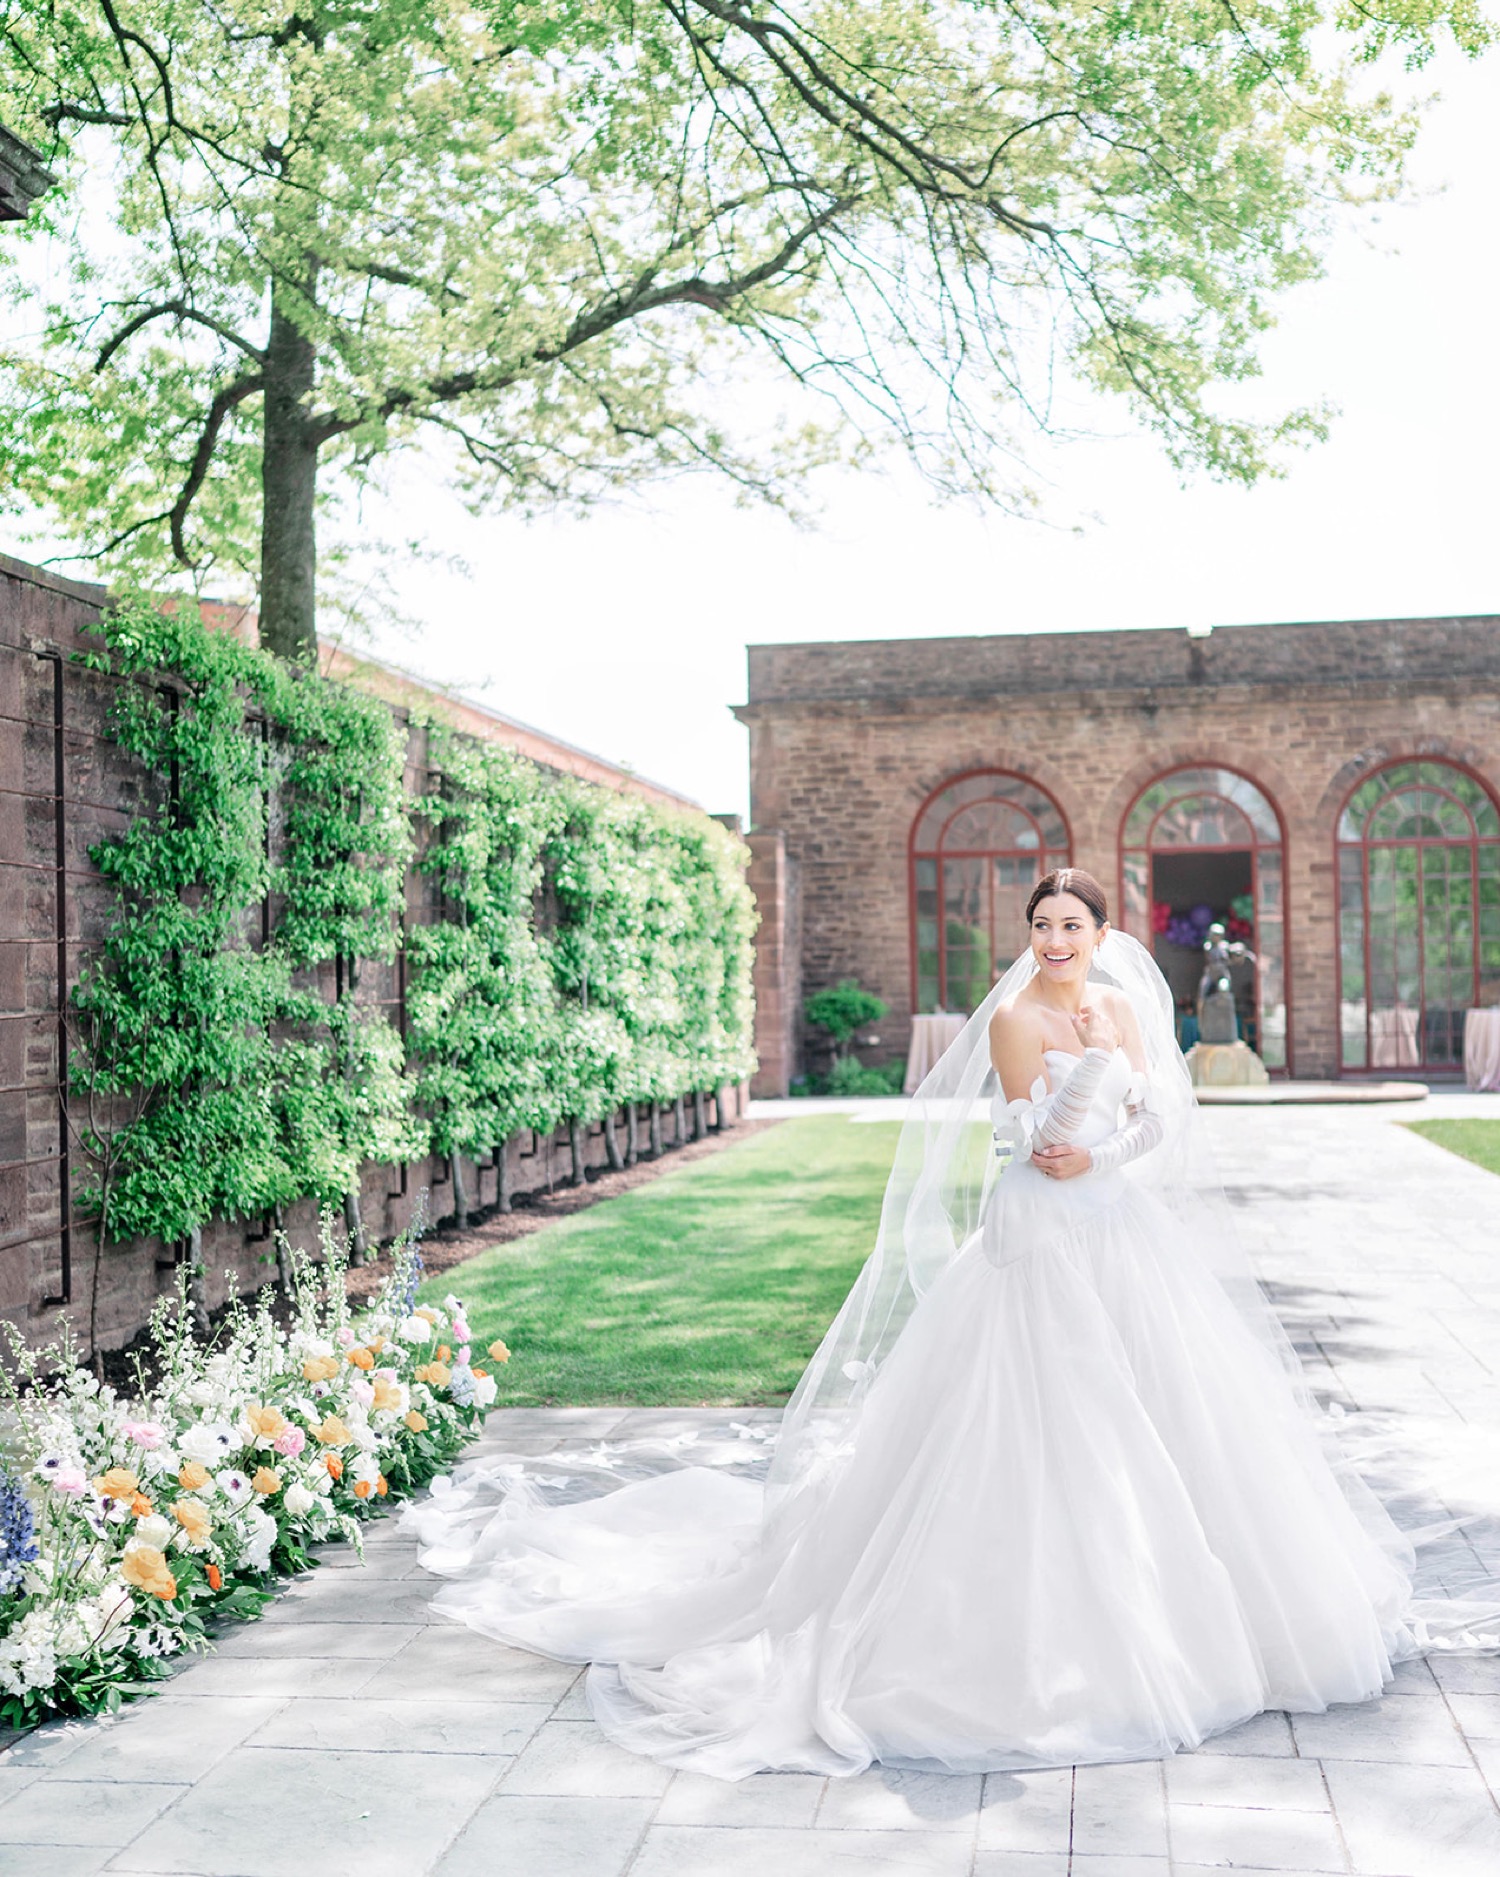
[1217, 1021]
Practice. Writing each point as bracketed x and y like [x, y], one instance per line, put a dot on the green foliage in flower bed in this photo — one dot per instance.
[128, 1525]
[1473, 1138]
[712, 1284]
[589, 949]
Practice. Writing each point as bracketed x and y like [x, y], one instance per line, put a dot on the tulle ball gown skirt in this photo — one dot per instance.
[1085, 1518]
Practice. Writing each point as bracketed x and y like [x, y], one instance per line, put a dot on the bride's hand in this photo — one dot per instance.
[1096, 1028]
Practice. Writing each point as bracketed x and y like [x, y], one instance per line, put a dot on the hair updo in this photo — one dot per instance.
[1075, 881]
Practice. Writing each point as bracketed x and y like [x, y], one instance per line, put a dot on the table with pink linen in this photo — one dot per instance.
[930, 1036]
[1482, 1048]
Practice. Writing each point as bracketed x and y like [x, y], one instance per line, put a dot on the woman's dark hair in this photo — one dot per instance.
[1075, 881]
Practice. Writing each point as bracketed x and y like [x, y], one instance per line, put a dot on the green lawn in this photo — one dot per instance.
[713, 1284]
[1476, 1139]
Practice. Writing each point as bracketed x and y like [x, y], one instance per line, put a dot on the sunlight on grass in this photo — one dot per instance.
[1475, 1139]
[714, 1284]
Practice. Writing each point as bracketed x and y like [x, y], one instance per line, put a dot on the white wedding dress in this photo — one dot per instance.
[1080, 1515]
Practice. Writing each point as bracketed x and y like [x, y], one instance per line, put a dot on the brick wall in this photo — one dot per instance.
[848, 740]
[53, 912]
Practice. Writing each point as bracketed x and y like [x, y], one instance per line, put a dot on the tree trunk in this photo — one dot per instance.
[197, 1288]
[700, 1116]
[656, 1130]
[354, 1227]
[460, 1197]
[502, 1179]
[725, 1110]
[289, 476]
[612, 1144]
[632, 1136]
[575, 1150]
[679, 1123]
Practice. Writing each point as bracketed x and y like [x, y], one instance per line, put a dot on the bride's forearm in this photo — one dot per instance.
[1140, 1134]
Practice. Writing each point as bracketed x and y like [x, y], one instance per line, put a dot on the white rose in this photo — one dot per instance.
[202, 1394]
[414, 1330]
[485, 1390]
[298, 1501]
[209, 1442]
[260, 1537]
[365, 1468]
[155, 1531]
[365, 1437]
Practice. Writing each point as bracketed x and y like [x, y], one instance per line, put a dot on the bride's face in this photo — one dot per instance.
[1063, 937]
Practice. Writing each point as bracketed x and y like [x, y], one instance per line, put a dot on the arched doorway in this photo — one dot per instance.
[978, 846]
[1206, 843]
[1419, 914]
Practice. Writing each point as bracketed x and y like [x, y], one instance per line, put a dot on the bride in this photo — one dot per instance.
[1051, 1491]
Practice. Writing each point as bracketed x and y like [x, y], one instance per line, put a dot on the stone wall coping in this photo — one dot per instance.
[1339, 653]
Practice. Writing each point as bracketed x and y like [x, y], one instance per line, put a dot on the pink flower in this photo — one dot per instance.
[290, 1441]
[362, 1391]
[464, 1353]
[145, 1433]
[345, 1338]
[461, 1329]
[69, 1479]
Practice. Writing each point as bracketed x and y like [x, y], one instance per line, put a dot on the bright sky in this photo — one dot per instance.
[625, 631]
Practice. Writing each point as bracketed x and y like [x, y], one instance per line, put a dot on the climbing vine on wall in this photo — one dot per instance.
[581, 949]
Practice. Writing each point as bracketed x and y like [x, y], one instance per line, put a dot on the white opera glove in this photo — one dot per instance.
[1064, 1113]
[1140, 1134]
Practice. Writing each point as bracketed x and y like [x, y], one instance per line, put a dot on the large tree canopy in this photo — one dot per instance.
[294, 235]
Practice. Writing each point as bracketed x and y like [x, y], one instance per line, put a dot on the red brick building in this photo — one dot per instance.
[1335, 787]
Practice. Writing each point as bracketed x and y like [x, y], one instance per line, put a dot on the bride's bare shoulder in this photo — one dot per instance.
[1013, 1020]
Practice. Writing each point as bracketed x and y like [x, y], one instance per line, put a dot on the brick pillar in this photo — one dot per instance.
[778, 960]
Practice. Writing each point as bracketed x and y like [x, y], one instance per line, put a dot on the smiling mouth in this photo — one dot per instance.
[1058, 958]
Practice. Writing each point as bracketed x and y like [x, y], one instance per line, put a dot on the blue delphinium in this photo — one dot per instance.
[18, 1546]
[413, 1282]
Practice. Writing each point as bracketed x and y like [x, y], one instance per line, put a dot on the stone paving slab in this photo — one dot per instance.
[351, 1730]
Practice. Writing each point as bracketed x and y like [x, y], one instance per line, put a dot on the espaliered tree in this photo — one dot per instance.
[549, 233]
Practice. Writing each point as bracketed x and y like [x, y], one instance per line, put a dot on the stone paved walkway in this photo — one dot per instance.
[348, 1733]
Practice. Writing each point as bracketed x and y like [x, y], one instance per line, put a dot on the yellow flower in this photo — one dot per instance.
[146, 1568]
[118, 1483]
[416, 1422]
[192, 1476]
[320, 1368]
[360, 1358]
[387, 1393]
[194, 1518]
[265, 1423]
[332, 1433]
[499, 1351]
[435, 1374]
[266, 1481]
[429, 1313]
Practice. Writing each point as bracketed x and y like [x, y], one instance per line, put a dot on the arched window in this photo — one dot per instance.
[1419, 914]
[1207, 842]
[979, 845]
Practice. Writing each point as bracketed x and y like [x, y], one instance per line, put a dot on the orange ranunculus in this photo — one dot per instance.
[361, 1489]
[334, 1464]
[416, 1422]
[499, 1351]
[118, 1483]
[320, 1368]
[387, 1393]
[479, 1374]
[195, 1519]
[444, 1353]
[361, 1358]
[192, 1476]
[435, 1374]
[266, 1481]
[332, 1432]
[382, 1486]
[265, 1423]
[377, 1343]
[428, 1314]
[215, 1577]
[146, 1568]
[141, 1506]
